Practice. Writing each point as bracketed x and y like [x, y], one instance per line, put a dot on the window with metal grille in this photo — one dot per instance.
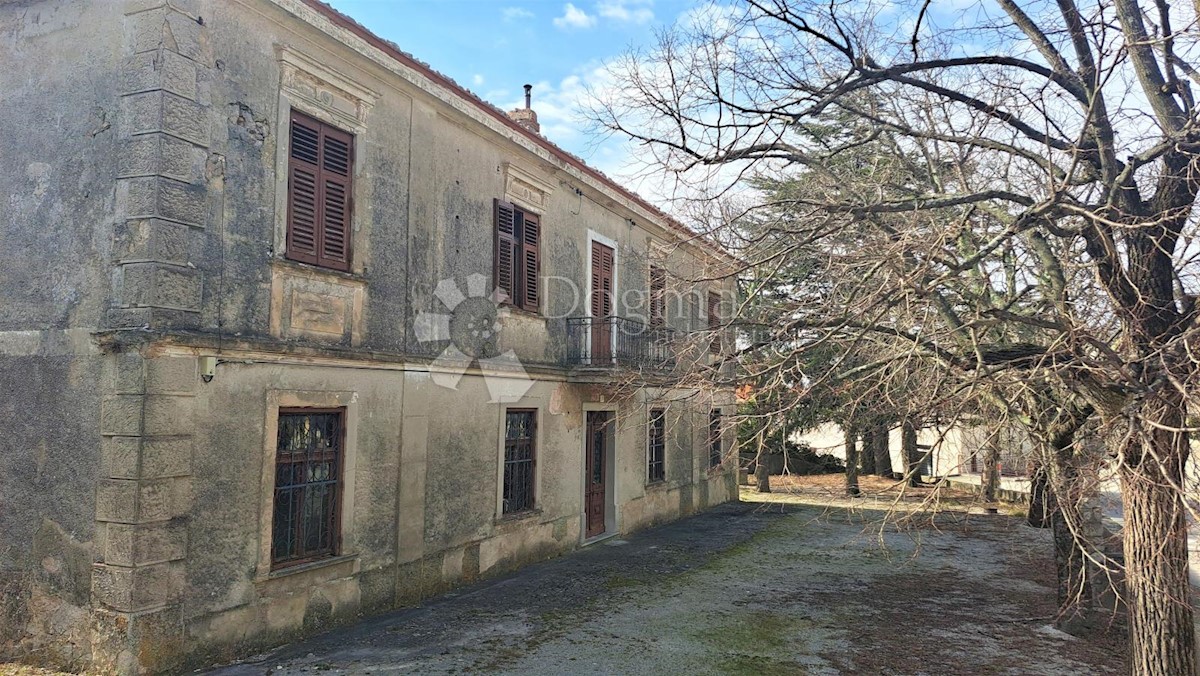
[714, 438]
[714, 321]
[308, 482]
[518, 262]
[520, 449]
[657, 445]
[320, 174]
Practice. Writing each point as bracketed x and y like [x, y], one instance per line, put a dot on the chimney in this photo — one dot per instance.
[525, 116]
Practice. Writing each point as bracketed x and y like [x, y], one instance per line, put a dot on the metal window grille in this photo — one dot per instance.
[657, 445]
[714, 438]
[520, 431]
[308, 476]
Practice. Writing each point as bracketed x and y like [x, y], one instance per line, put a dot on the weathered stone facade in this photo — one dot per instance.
[145, 240]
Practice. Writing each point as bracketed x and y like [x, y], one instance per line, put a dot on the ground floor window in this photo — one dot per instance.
[308, 482]
[520, 448]
[714, 438]
[657, 445]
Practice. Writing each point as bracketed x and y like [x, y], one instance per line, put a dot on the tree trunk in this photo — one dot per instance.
[1054, 500]
[991, 469]
[852, 489]
[1041, 498]
[1161, 633]
[912, 454]
[882, 451]
[1076, 598]
[762, 478]
[867, 457]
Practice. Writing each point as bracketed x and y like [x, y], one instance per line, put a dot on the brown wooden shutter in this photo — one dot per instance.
[597, 277]
[530, 234]
[337, 162]
[303, 194]
[602, 280]
[506, 247]
[658, 291]
[609, 265]
[320, 175]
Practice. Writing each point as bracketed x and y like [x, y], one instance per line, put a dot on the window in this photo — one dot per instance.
[657, 445]
[517, 261]
[308, 482]
[658, 296]
[714, 438]
[714, 321]
[320, 168]
[520, 433]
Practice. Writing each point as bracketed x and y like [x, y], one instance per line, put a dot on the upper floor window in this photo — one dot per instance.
[308, 483]
[517, 262]
[320, 177]
[656, 446]
[520, 436]
[658, 296]
[714, 320]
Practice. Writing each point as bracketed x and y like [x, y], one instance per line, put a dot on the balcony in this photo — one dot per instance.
[611, 342]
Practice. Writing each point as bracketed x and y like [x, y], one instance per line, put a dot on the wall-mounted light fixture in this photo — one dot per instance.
[208, 368]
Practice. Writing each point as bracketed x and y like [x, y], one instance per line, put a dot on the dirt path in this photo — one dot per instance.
[743, 589]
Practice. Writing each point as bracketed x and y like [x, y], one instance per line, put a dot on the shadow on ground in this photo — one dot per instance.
[743, 588]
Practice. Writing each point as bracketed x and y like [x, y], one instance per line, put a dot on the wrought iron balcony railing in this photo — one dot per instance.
[606, 342]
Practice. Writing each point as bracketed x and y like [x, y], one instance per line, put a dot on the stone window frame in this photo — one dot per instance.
[534, 507]
[520, 248]
[529, 193]
[715, 438]
[332, 453]
[593, 236]
[307, 86]
[265, 569]
[538, 463]
[664, 442]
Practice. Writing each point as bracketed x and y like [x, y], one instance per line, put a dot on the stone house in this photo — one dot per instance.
[254, 375]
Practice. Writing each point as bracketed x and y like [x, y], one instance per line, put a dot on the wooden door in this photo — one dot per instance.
[599, 428]
[602, 302]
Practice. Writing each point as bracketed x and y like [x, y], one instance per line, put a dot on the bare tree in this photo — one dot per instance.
[1029, 214]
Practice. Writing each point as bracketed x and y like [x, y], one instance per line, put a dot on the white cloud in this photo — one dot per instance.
[516, 14]
[477, 79]
[626, 11]
[573, 17]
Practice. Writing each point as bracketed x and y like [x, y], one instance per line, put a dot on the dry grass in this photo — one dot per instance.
[829, 490]
[9, 669]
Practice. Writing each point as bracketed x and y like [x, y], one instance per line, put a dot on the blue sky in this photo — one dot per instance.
[495, 47]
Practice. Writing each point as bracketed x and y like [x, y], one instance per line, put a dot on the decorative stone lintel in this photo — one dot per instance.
[327, 93]
[526, 190]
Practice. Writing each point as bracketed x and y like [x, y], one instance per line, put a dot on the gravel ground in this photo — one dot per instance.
[778, 587]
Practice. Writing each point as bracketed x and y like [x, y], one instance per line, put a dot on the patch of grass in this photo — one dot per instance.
[756, 631]
[756, 665]
[622, 582]
[748, 643]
